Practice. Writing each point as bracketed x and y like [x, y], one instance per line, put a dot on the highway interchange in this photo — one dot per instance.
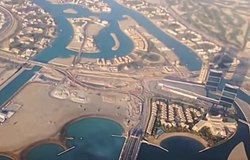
[133, 140]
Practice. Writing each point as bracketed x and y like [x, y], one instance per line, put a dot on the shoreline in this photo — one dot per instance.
[238, 152]
[245, 91]
[25, 151]
[50, 124]
[60, 137]
[18, 90]
[165, 136]
[70, 11]
[55, 2]
[125, 25]
[121, 27]
[116, 40]
[9, 155]
[90, 29]
[200, 58]
[55, 126]
[66, 125]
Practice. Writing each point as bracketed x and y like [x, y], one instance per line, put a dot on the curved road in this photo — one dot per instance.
[10, 22]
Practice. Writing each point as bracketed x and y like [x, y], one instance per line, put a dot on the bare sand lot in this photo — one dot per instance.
[62, 61]
[238, 153]
[42, 117]
[68, 61]
[70, 11]
[5, 75]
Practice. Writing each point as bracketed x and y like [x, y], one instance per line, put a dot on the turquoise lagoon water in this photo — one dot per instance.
[93, 140]
[104, 40]
[45, 151]
[178, 152]
[178, 144]
[4, 158]
[9, 91]
[180, 148]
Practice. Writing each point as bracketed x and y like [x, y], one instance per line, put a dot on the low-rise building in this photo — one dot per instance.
[216, 125]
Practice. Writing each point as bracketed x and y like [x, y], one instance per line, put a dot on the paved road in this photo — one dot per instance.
[131, 148]
[77, 58]
[132, 145]
[10, 22]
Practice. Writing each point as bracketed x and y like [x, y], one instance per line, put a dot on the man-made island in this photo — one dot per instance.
[85, 30]
[214, 37]
[116, 41]
[95, 6]
[70, 11]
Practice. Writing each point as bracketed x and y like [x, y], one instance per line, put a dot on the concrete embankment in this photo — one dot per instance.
[18, 72]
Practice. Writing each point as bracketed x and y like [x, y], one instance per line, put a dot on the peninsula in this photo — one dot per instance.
[85, 29]
[116, 41]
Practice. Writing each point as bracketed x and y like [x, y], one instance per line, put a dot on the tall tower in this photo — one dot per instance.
[229, 93]
[213, 79]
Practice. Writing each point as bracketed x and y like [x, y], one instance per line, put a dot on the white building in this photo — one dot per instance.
[216, 125]
[2, 117]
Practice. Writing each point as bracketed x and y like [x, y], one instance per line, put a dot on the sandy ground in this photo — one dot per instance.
[42, 117]
[62, 61]
[51, 73]
[4, 37]
[238, 153]
[52, 1]
[169, 56]
[68, 61]
[158, 2]
[92, 30]
[244, 108]
[182, 134]
[6, 74]
[245, 53]
[127, 22]
[116, 40]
